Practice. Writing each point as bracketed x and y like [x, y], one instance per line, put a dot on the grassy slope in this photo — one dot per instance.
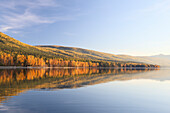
[81, 53]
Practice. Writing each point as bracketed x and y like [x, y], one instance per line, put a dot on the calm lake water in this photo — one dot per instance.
[84, 90]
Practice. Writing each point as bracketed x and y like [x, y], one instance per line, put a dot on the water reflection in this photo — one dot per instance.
[15, 81]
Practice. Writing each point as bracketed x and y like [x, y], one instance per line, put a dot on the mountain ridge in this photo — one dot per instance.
[161, 56]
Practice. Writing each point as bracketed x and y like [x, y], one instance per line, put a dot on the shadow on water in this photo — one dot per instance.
[16, 81]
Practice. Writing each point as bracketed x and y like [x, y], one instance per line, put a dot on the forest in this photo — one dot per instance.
[30, 60]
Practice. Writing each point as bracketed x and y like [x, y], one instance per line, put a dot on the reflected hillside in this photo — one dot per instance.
[15, 81]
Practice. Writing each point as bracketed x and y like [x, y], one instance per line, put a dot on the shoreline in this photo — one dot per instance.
[29, 67]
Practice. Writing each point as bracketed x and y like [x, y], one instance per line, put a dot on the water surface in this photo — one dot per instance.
[84, 90]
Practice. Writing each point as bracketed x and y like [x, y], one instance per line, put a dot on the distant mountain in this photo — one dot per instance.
[12, 46]
[162, 56]
[155, 60]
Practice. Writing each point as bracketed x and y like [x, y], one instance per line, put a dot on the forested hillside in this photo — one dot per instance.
[16, 53]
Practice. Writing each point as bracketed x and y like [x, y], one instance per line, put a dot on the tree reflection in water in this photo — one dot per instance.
[15, 81]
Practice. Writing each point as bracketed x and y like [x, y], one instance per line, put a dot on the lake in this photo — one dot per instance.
[84, 90]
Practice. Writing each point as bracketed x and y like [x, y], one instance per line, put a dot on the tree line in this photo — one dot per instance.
[30, 60]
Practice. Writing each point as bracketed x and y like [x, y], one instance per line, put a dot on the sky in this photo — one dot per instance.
[131, 27]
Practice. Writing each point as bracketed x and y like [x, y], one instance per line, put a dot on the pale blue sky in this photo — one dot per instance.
[133, 27]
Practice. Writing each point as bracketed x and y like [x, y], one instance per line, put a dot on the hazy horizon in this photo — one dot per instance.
[137, 28]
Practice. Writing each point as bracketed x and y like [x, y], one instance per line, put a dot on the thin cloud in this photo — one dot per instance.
[14, 4]
[18, 14]
[16, 21]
